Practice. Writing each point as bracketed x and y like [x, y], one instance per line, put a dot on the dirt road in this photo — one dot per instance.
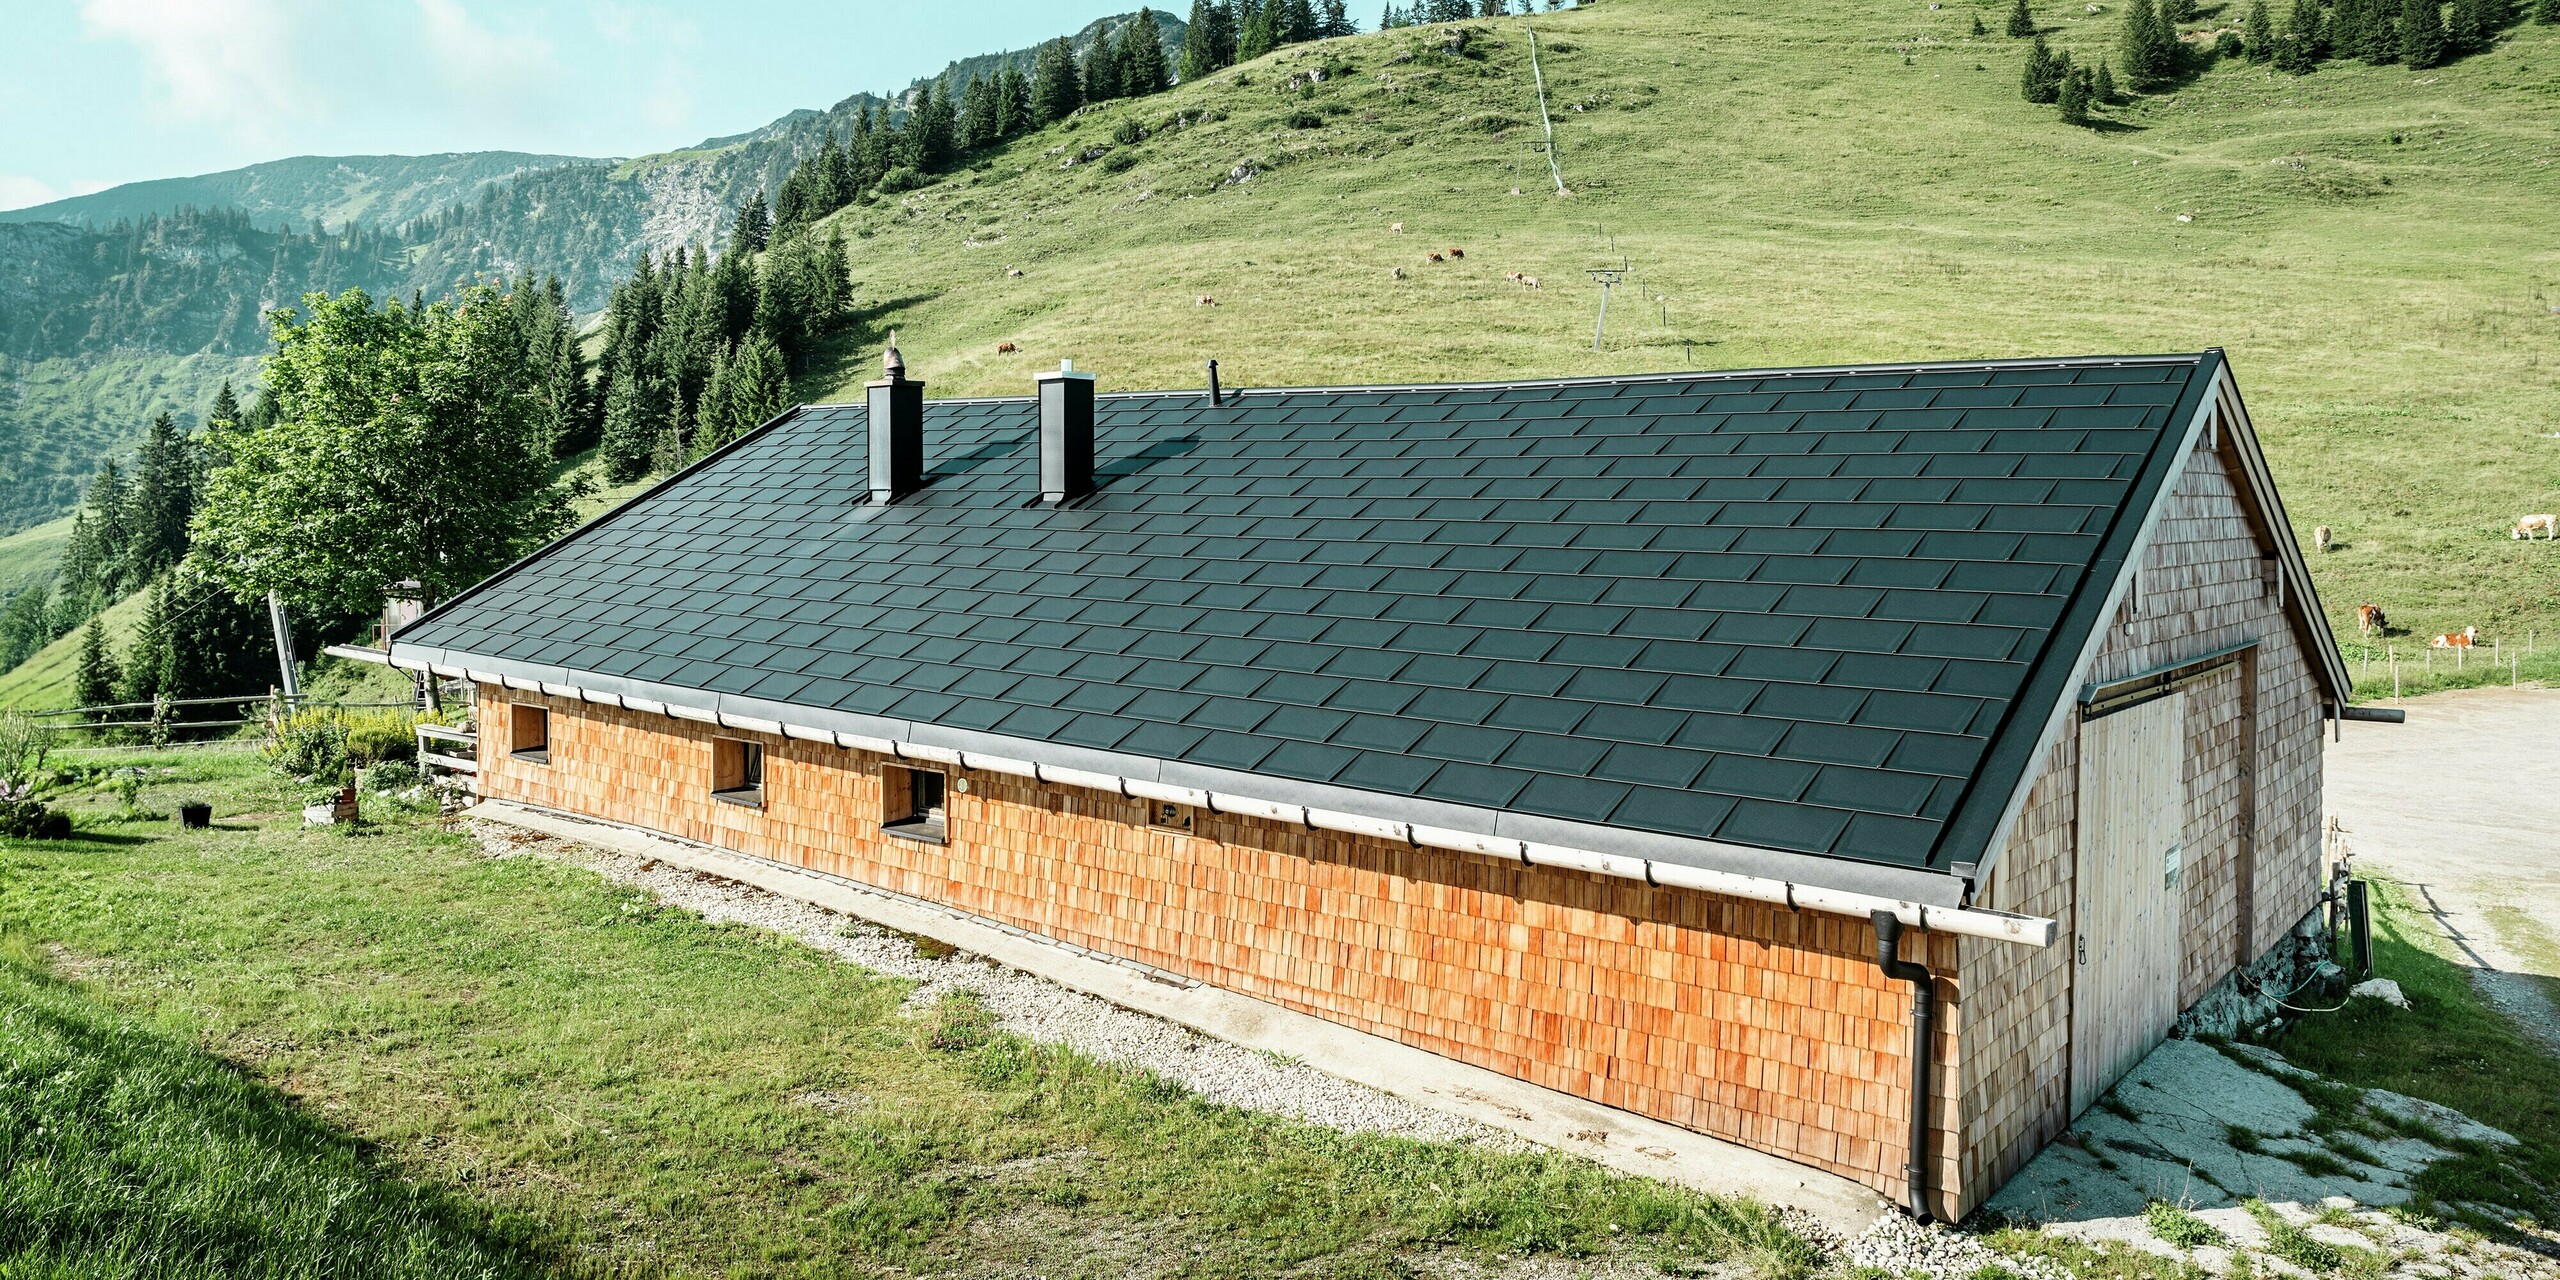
[2463, 802]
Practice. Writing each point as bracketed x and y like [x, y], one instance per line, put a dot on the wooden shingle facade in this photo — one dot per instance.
[1579, 731]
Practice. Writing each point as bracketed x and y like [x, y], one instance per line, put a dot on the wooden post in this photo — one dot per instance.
[284, 647]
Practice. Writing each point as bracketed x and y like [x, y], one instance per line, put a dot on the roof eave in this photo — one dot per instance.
[1910, 884]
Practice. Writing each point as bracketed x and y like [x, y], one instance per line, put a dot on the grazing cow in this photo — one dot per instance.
[2456, 639]
[1398, 228]
[1206, 301]
[1005, 348]
[1435, 257]
[1531, 281]
[2527, 526]
[1456, 253]
[1397, 272]
[2370, 618]
[1013, 273]
[2320, 538]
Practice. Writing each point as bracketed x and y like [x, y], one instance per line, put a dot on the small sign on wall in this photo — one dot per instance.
[2173, 866]
[1166, 815]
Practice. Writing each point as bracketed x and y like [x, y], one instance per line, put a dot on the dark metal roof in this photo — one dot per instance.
[1813, 611]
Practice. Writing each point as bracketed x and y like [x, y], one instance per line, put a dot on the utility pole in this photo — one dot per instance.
[292, 685]
[1606, 276]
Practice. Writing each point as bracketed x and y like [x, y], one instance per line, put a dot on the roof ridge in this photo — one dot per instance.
[1604, 380]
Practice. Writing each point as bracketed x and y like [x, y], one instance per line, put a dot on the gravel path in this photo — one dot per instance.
[1033, 1006]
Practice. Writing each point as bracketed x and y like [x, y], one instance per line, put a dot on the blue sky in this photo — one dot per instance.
[99, 92]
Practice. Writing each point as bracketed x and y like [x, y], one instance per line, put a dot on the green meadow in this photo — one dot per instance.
[2378, 250]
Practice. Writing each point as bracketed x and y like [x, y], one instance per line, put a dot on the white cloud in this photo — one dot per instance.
[221, 61]
[654, 46]
[484, 62]
[18, 193]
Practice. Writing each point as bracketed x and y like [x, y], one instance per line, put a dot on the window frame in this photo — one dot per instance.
[737, 772]
[518, 715]
[900, 814]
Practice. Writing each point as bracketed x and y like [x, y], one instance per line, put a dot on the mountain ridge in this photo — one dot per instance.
[382, 191]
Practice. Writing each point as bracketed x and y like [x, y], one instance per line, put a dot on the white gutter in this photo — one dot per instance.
[1999, 926]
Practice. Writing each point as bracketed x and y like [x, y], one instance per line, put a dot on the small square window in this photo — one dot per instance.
[737, 771]
[911, 804]
[529, 732]
[1164, 815]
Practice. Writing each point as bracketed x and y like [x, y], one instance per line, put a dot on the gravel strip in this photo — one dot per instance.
[1024, 1003]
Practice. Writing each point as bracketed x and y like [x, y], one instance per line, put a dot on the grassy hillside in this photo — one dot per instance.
[59, 417]
[1810, 184]
[31, 553]
[43, 682]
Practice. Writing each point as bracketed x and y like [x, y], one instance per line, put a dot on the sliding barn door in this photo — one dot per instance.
[2133, 818]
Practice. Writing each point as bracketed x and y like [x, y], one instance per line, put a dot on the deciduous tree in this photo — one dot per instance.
[406, 445]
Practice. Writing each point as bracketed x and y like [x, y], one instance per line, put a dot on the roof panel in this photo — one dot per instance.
[1768, 607]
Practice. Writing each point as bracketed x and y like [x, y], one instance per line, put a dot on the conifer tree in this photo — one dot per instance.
[95, 679]
[2348, 20]
[2022, 21]
[1201, 51]
[2037, 84]
[2299, 49]
[2074, 96]
[1102, 69]
[150, 660]
[2474, 24]
[759, 383]
[1260, 33]
[163, 500]
[977, 116]
[2150, 50]
[1297, 20]
[1012, 103]
[1333, 21]
[752, 228]
[1140, 56]
[2258, 33]
[2177, 13]
[2547, 12]
[2381, 37]
[872, 143]
[932, 132]
[1057, 88]
[1978, 28]
[2422, 38]
[2102, 90]
[226, 406]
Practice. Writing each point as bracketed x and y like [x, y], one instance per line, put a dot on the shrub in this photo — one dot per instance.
[23, 817]
[1119, 162]
[381, 738]
[307, 744]
[902, 178]
[391, 776]
[1129, 133]
[23, 744]
[1304, 120]
[2175, 1225]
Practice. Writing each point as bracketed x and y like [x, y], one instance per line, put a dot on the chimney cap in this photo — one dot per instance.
[1066, 369]
[893, 365]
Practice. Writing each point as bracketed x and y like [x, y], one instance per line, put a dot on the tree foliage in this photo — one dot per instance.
[406, 444]
[2022, 21]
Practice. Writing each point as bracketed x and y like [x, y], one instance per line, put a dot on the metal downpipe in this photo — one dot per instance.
[1915, 1168]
